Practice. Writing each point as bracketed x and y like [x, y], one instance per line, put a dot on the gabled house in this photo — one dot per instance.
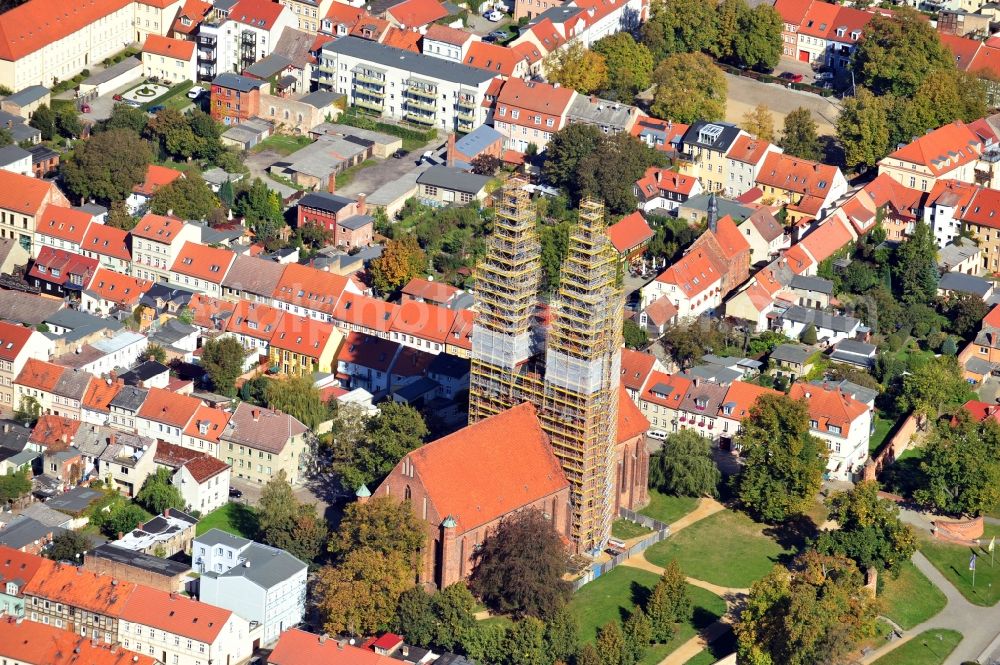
[660, 401]
[703, 150]
[744, 161]
[23, 200]
[663, 190]
[156, 177]
[201, 268]
[57, 272]
[302, 346]
[61, 228]
[18, 345]
[156, 242]
[111, 247]
[258, 443]
[830, 328]
[948, 152]
[807, 189]
[364, 361]
[843, 423]
[165, 415]
[630, 235]
[529, 113]
[201, 478]
[108, 291]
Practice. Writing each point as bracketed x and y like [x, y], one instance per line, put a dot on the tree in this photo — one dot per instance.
[944, 96]
[896, 54]
[784, 463]
[285, 523]
[175, 136]
[455, 615]
[119, 217]
[684, 466]
[159, 493]
[487, 642]
[949, 347]
[519, 567]
[863, 129]
[638, 632]
[262, 210]
[808, 335]
[485, 164]
[124, 116]
[562, 635]
[277, 506]
[44, 120]
[381, 524]
[799, 137]
[155, 351]
[526, 642]
[611, 644]
[360, 595]
[610, 172]
[577, 68]
[729, 22]
[567, 148]
[965, 313]
[758, 40]
[933, 387]
[67, 546]
[629, 63]
[394, 431]
[669, 603]
[68, 123]
[689, 87]
[679, 27]
[222, 359]
[188, 198]
[415, 617]
[635, 337]
[816, 613]
[401, 261]
[298, 397]
[961, 468]
[28, 410]
[123, 518]
[14, 485]
[914, 269]
[871, 533]
[587, 655]
[107, 165]
[227, 196]
[759, 122]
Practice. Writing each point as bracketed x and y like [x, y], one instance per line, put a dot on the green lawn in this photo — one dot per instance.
[668, 509]
[178, 90]
[910, 599]
[882, 428]
[953, 562]
[716, 651]
[727, 548]
[928, 648]
[625, 530]
[282, 144]
[236, 518]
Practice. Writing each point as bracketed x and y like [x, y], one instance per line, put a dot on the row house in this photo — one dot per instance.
[661, 189]
[900, 205]
[949, 152]
[806, 189]
[165, 415]
[765, 235]
[203, 431]
[37, 644]
[660, 401]
[154, 17]
[260, 443]
[423, 326]
[441, 41]
[842, 422]
[156, 243]
[792, 12]
[415, 15]
[252, 278]
[56, 272]
[340, 20]
[954, 209]
[302, 346]
[636, 370]
[23, 199]
[109, 246]
[981, 222]
[201, 268]
[744, 162]
[459, 341]
[529, 113]
[501, 61]
[365, 361]
[95, 407]
[703, 150]
[309, 14]
[309, 291]
[168, 59]
[822, 34]
[401, 85]
[123, 408]
[584, 20]
[61, 228]
[127, 462]
[253, 325]
[18, 345]
[39, 380]
[109, 291]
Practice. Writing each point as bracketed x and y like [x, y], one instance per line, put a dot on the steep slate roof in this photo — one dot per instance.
[254, 275]
[495, 479]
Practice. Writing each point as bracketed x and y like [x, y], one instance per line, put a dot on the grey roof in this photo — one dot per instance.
[860, 393]
[726, 207]
[445, 364]
[216, 176]
[854, 352]
[25, 531]
[557, 14]
[12, 153]
[144, 371]
[74, 501]
[294, 45]
[792, 353]
[129, 398]
[767, 226]
[17, 460]
[731, 361]
[447, 177]
[41, 153]
[214, 537]
[356, 222]
[977, 365]
[715, 373]
[962, 283]
[149, 563]
[333, 129]
[264, 566]
[269, 432]
[253, 275]
[26, 308]
[416, 389]
[20, 132]
[28, 95]
[81, 323]
[41, 512]
[114, 71]
[168, 293]
[321, 98]
[324, 156]
[951, 255]
[477, 140]
[817, 284]
[216, 235]
[325, 201]
[237, 82]
[725, 137]
[417, 63]
[820, 319]
[172, 332]
[270, 66]
[600, 112]
[14, 435]
[854, 346]
[90, 208]
[72, 383]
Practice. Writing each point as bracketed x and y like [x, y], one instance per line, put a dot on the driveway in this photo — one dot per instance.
[369, 179]
[746, 93]
[258, 162]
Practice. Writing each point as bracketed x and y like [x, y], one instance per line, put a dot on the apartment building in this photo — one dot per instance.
[842, 422]
[61, 228]
[169, 59]
[156, 243]
[259, 443]
[528, 113]
[390, 82]
[29, 643]
[309, 14]
[154, 18]
[946, 153]
[703, 150]
[23, 200]
[110, 246]
[302, 346]
[201, 268]
[235, 98]
[165, 415]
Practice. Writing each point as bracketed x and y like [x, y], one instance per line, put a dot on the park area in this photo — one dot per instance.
[931, 647]
[144, 93]
[953, 562]
[910, 599]
[235, 518]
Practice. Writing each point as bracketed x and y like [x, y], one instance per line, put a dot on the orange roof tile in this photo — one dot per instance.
[447, 35]
[23, 194]
[636, 367]
[34, 25]
[658, 181]
[310, 287]
[195, 11]
[63, 223]
[748, 149]
[37, 643]
[157, 227]
[424, 320]
[798, 259]
[631, 421]
[156, 177]
[17, 567]
[39, 375]
[69, 585]
[412, 362]
[827, 239]
[661, 311]
[547, 34]
[164, 406]
[368, 351]
[416, 13]
[793, 174]
[666, 389]
[829, 406]
[204, 467]
[885, 190]
[460, 334]
[260, 14]
[115, 287]
[344, 14]
[99, 394]
[792, 11]
[203, 262]
[983, 208]
[402, 39]
[354, 309]
[475, 481]
[175, 614]
[493, 58]
[943, 149]
[54, 433]
[661, 134]
[107, 241]
[370, 28]
[208, 423]
[740, 398]
[177, 49]
[730, 240]
[962, 48]
[12, 340]
[533, 98]
[58, 266]
[434, 292]
[694, 272]
[254, 319]
[297, 647]
[302, 335]
[992, 320]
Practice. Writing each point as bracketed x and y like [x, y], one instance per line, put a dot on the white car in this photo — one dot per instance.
[195, 92]
[493, 16]
[824, 76]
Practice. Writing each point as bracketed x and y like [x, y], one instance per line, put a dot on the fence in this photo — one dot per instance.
[660, 532]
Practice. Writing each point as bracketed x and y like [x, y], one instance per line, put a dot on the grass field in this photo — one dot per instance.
[668, 509]
[716, 651]
[626, 530]
[928, 648]
[283, 144]
[235, 518]
[953, 562]
[727, 548]
[882, 428]
[910, 599]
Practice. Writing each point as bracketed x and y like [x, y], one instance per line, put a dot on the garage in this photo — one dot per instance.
[804, 56]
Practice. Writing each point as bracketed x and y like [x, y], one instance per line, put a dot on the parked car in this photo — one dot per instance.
[117, 98]
[498, 34]
[792, 77]
[195, 92]
[493, 16]
[235, 493]
[824, 76]
[399, 154]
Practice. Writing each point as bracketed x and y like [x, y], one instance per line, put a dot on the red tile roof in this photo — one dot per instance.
[636, 367]
[885, 190]
[533, 98]
[494, 58]
[730, 240]
[204, 467]
[460, 334]
[983, 209]
[254, 320]
[310, 287]
[792, 11]
[175, 614]
[412, 362]
[34, 25]
[12, 340]
[827, 239]
[740, 398]
[666, 389]
[354, 309]
[494, 480]
[163, 406]
[213, 420]
[748, 150]
[694, 272]
[17, 567]
[962, 48]
[798, 259]
[63, 223]
[203, 262]
[416, 13]
[445, 34]
[54, 433]
[51, 261]
[196, 11]
[108, 241]
[368, 351]
[260, 14]
[115, 287]
[657, 182]
[344, 14]
[943, 149]
[297, 647]
[302, 335]
[979, 411]
[547, 35]
[631, 421]
[434, 292]
[39, 375]
[370, 27]
[661, 311]
[793, 174]
[156, 177]
[424, 320]
[76, 587]
[992, 320]
[629, 232]
[157, 227]
[671, 131]
[178, 49]
[37, 643]
[99, 394]
[829, 406]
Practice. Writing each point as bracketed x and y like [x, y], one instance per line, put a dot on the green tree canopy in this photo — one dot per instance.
[961, 467]
[44, 120]
[934, 387]
[784, 463]
[298, 397]
[669, 603]
[758, 40]
[567, 148]
[684, 466]
[629, 63]
[679, 27]
[124, 116]
[187, 198]
[262, 209]
[286, 523]
[159, 493]
[610, 172]
[107, 165]
[360, 595]
[799, 136]
[381, 524]
[577, 68]
[14, 485]
[863, 129]
[223, 358]
[689, 87]
[394, 431]
[68, 545]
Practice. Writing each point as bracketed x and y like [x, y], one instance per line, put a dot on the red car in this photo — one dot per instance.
[793, 78]
[85, 108]
[117, 98]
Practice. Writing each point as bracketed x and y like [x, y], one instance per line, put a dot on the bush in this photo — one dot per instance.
[356, 118]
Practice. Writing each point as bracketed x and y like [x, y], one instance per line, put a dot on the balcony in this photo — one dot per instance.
[421, 105]
[465, 126]
[206, 55]
[363, 103]
[420, 118]
[422, 90]
[466, 115]
[371, 79]
[373, 91]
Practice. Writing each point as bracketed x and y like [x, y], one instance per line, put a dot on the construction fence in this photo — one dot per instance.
[660, 532]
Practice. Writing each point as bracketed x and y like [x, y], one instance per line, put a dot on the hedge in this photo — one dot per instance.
[356, 118]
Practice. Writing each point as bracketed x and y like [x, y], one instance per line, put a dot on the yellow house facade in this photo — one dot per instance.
[302, 346]
[169, 59]
[309, 13]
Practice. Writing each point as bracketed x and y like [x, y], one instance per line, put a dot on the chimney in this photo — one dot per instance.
[256, 415]
[331, 183]
[450, 155]
[362, 203]
[323, 638]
